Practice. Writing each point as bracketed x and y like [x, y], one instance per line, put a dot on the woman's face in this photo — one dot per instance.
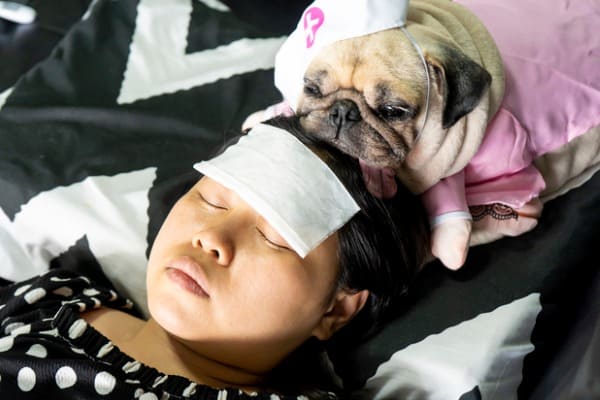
[220, 277]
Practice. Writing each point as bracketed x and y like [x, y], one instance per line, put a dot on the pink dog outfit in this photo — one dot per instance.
[552, 88]
[552, 95]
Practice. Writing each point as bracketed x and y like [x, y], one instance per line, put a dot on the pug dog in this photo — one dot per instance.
[477, 115]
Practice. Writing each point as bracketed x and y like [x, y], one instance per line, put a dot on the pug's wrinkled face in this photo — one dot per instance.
[366, 96]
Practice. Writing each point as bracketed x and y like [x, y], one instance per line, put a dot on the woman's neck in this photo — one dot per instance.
[148, 343]
[152, 345]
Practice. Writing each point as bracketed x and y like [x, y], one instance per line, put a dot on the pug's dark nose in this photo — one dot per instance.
[343, 113]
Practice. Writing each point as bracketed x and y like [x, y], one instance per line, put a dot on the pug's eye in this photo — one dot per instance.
[394, 112]
[310, 89]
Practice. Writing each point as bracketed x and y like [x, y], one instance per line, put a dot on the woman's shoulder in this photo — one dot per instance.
[48, 292]
[56, 282]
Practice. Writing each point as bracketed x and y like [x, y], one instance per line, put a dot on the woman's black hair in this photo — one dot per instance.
[381, 248]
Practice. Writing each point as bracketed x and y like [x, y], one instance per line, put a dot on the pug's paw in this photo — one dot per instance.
[254, 119]
[450, 242]
[494, 221]
[281, 108]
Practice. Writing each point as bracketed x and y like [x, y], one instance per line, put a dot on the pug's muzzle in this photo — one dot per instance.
[345, 121]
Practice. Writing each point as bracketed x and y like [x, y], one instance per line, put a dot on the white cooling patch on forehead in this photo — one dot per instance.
[286, 183]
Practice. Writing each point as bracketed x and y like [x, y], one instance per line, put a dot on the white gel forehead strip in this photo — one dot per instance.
[286, 183]
[325, 22]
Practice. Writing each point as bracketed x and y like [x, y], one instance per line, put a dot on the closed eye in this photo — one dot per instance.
[271, 243]
[312, 89]
[395, 112]
[211, 204]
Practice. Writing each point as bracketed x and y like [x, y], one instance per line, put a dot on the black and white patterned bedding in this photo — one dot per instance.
[98, 140]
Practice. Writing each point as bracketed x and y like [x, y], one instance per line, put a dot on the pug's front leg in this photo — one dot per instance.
[282, 108]
[450, 220]
[254, 119]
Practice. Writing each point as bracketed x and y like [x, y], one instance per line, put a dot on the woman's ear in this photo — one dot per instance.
[344, 307]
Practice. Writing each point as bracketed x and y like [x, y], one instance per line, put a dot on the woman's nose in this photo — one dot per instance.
[215, 244]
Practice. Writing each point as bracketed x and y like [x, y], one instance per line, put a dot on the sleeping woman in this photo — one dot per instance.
[277, 248]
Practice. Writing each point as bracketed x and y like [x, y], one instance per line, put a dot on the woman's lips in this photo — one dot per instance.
[188, 274]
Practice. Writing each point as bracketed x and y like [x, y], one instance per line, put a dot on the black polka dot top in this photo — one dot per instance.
[47, 351]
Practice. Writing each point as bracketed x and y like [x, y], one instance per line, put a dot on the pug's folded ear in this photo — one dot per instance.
[462, 81]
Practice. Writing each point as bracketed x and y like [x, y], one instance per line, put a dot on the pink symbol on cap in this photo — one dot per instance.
[313, 19]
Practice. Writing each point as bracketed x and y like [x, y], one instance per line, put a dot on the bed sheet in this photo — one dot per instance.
[98, 140]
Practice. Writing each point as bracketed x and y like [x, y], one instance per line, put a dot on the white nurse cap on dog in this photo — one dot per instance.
[286, 183]
[325, 22]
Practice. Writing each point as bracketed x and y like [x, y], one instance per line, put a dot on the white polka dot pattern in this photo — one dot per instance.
[83, 278]
[104, 383]
[12, 326]
[190, 390]
[21, 330]
[34, 295]
[65, 377]
[37, 350]
[159, 380]
[26, 379]
[51, 332]
[6, 343]
[104, 350]
[57, 279]
[91, 292]
[131, 367]
[77, 329]
[22, 290]
[77, 350]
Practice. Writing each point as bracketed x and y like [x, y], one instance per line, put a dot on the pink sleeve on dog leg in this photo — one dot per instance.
[446, 196]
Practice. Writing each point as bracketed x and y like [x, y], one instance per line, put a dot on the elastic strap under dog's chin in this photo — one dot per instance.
[414, 43]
